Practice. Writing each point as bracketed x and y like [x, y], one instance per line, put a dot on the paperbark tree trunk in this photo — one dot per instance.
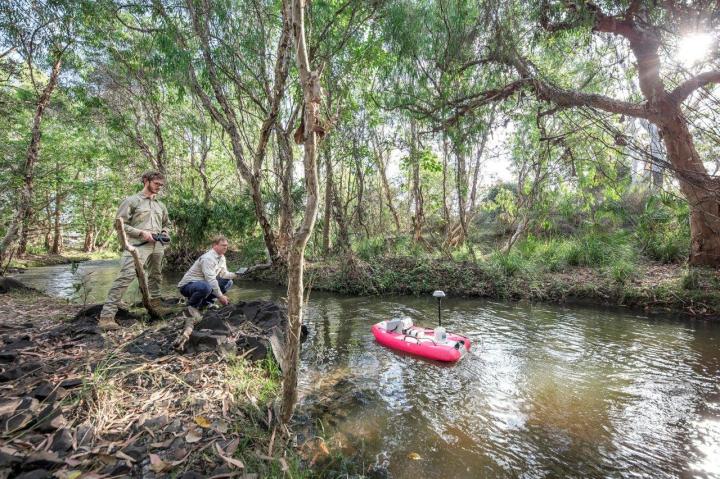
[312, 96]
[327, 213]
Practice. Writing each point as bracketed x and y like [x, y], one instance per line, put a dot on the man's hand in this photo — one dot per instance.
[147, 236]
[224, 300]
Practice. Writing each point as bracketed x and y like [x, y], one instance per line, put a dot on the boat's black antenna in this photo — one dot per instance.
[439, 295]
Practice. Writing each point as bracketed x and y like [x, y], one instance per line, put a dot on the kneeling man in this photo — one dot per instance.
[208, 278]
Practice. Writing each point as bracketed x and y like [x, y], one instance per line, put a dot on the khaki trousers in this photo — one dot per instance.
[151, 255]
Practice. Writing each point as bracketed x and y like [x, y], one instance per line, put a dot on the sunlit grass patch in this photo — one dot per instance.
[254, 382]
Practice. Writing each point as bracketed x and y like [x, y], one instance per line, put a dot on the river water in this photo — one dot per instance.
[546, 391]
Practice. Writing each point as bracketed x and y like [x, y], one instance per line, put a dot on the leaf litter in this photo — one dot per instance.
[77, 404]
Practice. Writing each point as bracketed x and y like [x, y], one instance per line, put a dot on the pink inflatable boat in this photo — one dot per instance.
[429, 343]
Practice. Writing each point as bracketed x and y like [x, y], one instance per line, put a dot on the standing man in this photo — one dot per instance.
[208, 278]
[144, 216]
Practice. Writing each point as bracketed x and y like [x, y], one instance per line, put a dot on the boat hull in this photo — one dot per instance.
[421, 342]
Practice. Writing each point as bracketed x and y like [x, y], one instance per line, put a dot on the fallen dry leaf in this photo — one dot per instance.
[125, 457]
[232, 446]
[414, 456]
[231, 461]
[202, 421]
[157, 464]
[221, 427]
[65, 474]
[192, 436]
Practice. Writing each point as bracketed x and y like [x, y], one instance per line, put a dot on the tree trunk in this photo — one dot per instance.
[57, 245]
[268, 234]
[446, 208]
[697, 186]
[418, 218]
[24, 211]
[382, 167]
[89, 243]
[519, 231]
[461, 184]
[49, 223]
[224, 112]
[311, 99]
[327, 214]
[24, 234]
[360, 182]
[285, 155]
[343, 237]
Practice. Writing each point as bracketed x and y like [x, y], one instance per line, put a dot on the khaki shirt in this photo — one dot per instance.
[141, 213]
[207, 268]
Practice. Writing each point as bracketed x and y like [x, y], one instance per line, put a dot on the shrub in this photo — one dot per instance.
[511, 264]
[622, 271]
[195, 222]
[663, 229]
[370, 248]
[691, 279]
[553, 253]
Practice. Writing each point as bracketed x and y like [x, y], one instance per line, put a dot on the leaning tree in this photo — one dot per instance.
[650, 32]
[615, 57]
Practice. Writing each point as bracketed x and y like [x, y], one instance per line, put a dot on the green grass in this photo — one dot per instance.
[257, 383]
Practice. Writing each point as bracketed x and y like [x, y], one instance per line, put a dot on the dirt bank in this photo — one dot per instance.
[652, 288]
[74, 402]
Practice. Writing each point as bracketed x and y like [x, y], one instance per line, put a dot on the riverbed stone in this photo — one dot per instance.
[18, 343]
[255, 348]
[18, 421]
[136, 452]
[119, 469]
[84, 434]
[71, 383]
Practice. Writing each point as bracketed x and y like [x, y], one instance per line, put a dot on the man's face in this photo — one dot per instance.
[154, 186]
[221, 248]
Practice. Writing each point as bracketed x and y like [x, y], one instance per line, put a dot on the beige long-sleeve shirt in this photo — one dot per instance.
[207, 268]
[142, 213]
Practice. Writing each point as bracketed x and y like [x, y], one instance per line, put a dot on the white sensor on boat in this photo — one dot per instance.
[438, 294]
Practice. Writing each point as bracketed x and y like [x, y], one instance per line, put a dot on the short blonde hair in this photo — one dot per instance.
[219, 238]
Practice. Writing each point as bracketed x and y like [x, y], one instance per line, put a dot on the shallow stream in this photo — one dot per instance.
[546, 391]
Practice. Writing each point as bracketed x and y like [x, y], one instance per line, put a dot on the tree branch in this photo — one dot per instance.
[568, 98]
[685, 89]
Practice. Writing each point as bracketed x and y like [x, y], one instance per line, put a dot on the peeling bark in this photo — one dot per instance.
[312, 96]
